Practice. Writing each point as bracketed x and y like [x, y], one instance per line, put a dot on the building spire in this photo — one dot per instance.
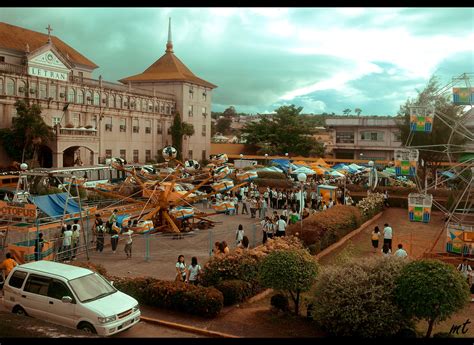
[169, 44]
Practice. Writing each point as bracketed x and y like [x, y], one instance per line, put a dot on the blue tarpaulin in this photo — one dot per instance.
[283, 164]
[54, 204]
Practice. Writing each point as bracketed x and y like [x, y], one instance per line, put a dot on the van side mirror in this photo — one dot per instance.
[66, 299]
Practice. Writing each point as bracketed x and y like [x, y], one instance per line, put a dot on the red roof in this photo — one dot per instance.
[168, 68]
[15, 38]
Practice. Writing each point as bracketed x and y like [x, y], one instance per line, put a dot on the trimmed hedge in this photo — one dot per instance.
[273, 183]
[235, 291]
[93, 267]
[325, 228]
[271, 175]
[188, 298]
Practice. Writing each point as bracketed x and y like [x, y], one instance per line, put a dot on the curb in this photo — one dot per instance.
[347, 237]
[189, 329]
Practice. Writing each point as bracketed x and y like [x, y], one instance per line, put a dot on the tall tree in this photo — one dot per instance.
[178, 130]
[441, 131]
[287, 131]
[27, 134]
[358, 111]
[346, 111]
[230, 112]
[223, 125]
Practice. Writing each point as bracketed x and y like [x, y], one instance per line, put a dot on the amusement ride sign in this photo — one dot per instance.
[8, 209]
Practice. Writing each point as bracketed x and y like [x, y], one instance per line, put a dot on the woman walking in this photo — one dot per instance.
[100, 234]
[386, 252]
[239, 235]
[193, 271]
[375, 238]
[181, 271]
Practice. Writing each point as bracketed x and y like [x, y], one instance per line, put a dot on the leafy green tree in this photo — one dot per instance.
[287, 131]
[223, 125]
[178, 130]
[293, 271]
[356, 298]
[431, 290]
[441, 131]
[346, 111]
[230, 112]
[27, 134]
[358, 111]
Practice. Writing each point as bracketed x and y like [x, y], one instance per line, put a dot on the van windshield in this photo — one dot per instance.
[91, 287]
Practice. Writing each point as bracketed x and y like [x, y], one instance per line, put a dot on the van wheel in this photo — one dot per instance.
[86, 327]
[19, 311]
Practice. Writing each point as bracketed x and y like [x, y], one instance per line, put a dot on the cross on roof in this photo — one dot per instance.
[49, 28]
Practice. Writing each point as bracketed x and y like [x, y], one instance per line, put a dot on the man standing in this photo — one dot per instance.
[129, 241]
[281, 227]
[67, 238]
[401, 253]
[245, 210]
[39, 244]
[387, 235]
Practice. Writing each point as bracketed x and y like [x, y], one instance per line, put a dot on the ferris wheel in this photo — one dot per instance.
[425, 116]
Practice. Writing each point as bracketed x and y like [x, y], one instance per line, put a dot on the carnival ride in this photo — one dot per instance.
[165, 204]
[423, 117]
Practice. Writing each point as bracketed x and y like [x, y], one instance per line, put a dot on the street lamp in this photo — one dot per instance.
[302, 178]
[266, 159]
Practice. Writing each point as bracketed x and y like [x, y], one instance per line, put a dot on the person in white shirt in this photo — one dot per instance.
[331, 203]
[193, 271]
[67, 238]
[128, 242]
[387, 235]
[314, 197]
[245, 209]
[239, 234]
[281, 227]
[400, 252]
[235, 200]
[324, 206]
[465, 270]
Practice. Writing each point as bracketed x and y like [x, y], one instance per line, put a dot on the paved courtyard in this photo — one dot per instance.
[164, 248]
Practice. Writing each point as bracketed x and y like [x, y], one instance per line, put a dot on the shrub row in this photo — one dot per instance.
[271, 175]
[235, 291]
[325, 228]
[273, 183]
[188, 298]
[192, 299]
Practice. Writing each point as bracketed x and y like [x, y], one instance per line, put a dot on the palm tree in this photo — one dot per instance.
[358, 111]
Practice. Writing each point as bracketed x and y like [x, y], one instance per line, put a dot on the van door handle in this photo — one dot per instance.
[51, 302]
[24, 296]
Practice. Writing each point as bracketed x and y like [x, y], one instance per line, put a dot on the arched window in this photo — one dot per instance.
[52, 90]
[150, 106]
[21, 88]
[80, 97]
[132, 103]
[111, 101]
[104, 99]
[96, 98]
[125, 102]
[1, 86]
[138, 104]
[10, 87]
[144, 107]
[71, 95]
[162, 108]
[118, 102]
[88, 97]
[168, 109]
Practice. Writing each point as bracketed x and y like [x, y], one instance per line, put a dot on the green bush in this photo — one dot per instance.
[234, 291]
[273, 183]
[293, 271]
[325, 228]
[271, 175]
[314, 248]
[187, 298]
[431, 290]
[240, 266]
[357, 298]
[280, 302]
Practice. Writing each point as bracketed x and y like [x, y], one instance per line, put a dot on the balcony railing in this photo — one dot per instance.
[90, 132]
[10, 68]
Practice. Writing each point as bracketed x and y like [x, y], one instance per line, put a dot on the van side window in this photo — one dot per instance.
[58, 290]
[17, 279]
[38, 285]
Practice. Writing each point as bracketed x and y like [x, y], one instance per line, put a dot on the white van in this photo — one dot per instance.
[69, 296]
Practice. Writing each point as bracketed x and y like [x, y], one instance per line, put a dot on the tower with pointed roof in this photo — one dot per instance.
[193, 97]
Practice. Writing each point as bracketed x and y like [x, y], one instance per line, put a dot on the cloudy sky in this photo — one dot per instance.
[324, 59]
